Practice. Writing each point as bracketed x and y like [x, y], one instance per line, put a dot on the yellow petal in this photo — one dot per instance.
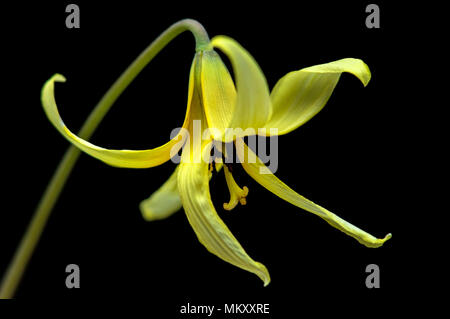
[164, 202]
[253, 107]
[193, 185]
[120, 158]
[237, 194]
[300, 95]
[218, 92]
[260, 173]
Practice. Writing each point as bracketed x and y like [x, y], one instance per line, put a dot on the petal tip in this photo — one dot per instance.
[367, 75]
[379, 242]
[263, 274]
[58, 78]
[386, 238]
[146, 213]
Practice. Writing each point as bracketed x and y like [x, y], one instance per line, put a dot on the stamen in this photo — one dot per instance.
[237, 194]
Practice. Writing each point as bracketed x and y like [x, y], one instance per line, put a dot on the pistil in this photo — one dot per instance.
[237, 194]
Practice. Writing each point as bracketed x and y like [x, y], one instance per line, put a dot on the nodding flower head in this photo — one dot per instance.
[228, 110]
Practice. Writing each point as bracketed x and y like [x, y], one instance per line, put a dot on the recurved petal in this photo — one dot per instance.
[164, 202]
[300, 95]
[260, 173]
[120, 158]
[210, 229]
[253, 107]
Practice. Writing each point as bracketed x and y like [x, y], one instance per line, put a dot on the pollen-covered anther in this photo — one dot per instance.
[237, 194]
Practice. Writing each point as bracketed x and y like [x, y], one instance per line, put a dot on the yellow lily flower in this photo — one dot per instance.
[221, 105]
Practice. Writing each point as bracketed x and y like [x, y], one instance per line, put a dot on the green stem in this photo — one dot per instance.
[23, 254]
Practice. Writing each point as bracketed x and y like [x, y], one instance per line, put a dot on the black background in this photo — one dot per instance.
[347, 159]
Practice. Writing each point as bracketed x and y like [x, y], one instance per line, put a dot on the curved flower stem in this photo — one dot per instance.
[29, 241]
